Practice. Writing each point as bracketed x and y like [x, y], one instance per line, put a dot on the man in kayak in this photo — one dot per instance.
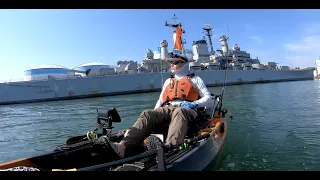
[178, 102]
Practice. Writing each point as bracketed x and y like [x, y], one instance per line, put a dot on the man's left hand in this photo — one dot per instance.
[191, 105]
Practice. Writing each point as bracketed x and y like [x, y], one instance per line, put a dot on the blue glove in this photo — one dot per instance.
[191, 105]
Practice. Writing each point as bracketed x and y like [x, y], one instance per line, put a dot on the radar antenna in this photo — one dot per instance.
[208, 32]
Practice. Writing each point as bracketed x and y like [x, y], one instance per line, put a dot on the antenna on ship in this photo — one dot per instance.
[175, 25]
[208, 32]
[228, 39]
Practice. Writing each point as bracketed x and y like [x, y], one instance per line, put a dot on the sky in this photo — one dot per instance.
[31, 38]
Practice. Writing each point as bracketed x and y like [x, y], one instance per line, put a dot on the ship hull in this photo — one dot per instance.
[86, 87]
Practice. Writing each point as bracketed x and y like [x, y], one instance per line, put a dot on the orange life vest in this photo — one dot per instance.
[182, 90]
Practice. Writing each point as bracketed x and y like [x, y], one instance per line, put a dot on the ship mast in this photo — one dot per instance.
[208, 29]
[175, 25]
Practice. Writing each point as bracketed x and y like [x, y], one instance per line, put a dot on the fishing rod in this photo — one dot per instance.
[226, 66]
[224, 84]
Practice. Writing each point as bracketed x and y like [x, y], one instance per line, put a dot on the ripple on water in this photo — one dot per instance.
[275, 125]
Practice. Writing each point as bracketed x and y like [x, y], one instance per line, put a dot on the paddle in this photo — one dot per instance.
[76, 139]
[89, 136]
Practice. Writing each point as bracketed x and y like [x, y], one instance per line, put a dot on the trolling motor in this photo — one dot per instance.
[106, 117]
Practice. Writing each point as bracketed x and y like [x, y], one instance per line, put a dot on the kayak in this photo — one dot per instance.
[201, 150]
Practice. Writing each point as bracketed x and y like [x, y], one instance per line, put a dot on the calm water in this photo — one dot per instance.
[276, 126]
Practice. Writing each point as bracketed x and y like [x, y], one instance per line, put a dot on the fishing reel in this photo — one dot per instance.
[106, 117]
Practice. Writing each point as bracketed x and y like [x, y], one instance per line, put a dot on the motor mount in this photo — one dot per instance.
[105, 118]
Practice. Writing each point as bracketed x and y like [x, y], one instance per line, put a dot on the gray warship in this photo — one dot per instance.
[96, 79]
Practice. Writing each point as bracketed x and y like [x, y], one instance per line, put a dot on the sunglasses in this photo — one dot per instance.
[175, 62]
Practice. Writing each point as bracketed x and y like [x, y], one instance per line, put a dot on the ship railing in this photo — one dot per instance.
[11, 80]
[69, 77]
[77, 77]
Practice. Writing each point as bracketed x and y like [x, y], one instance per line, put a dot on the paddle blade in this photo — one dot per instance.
[76, 139]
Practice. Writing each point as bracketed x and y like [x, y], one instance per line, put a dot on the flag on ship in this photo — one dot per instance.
[177, 39]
